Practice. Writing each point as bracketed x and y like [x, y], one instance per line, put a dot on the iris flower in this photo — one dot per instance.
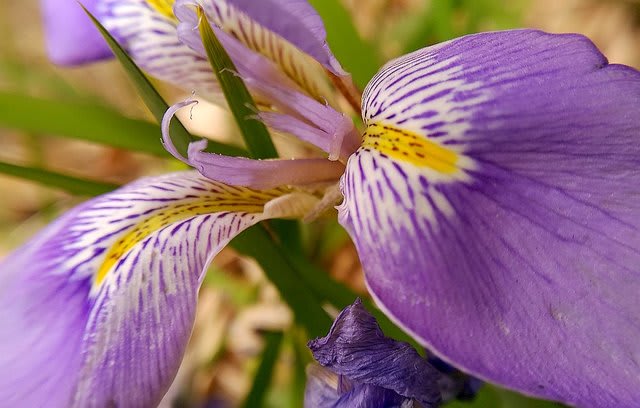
[493, 197]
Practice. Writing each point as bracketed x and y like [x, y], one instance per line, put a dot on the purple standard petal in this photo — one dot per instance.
[356, 349]
[295, 20]
[295, 43]
[495, 208]
[97, 310]
[71, 37]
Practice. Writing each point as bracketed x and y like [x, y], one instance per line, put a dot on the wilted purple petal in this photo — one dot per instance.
[98, 308]
[325, 389]
[357, 349]
[511, 246]
[70, 35]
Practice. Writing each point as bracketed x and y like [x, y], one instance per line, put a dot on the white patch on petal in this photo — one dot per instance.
[150, 36]
[418, 110]
[427, 96]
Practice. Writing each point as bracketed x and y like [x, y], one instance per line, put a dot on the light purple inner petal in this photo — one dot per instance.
[521, 268]
[328, 129]
[295, 20]
[264, 174]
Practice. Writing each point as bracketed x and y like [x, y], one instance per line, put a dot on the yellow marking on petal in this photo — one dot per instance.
[232, 199]
[411, 147]
[164, 7]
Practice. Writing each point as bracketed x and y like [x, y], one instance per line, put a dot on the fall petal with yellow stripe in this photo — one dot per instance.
[98, 308]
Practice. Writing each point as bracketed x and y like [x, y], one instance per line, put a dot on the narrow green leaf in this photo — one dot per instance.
[240, 102]
[329, 290]
[156, 104]
[154, 101]
[302, 357]
[264, 374]
[307, 309]
[57, 180]
[357, 56]
[255, 134]
[75, 120]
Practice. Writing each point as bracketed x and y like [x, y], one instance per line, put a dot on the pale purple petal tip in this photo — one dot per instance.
[263, 174]
[71, 37]
[165, 127]
[357, 349]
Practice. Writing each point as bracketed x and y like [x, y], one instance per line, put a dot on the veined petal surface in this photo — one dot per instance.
[288, 32]
[495, 204]
[98, 309]
[71, 37]
[147, 29]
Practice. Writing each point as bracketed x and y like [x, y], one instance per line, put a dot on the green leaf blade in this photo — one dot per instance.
[60, 181]
[241, 104]
[264, 374]
[357, 56]
[93, 123]
[154, 101]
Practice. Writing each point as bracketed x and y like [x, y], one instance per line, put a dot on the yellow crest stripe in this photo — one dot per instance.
[411, 147]
[239, 200]
[164, 7]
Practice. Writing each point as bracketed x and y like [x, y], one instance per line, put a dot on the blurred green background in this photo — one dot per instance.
[70, 133]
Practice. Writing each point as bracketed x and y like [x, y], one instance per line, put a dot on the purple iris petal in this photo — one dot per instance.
[512, 248]
[372, 364]
[148, 31]
[294, 20]
[245, 37]
[97, 310]
[71, 37]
